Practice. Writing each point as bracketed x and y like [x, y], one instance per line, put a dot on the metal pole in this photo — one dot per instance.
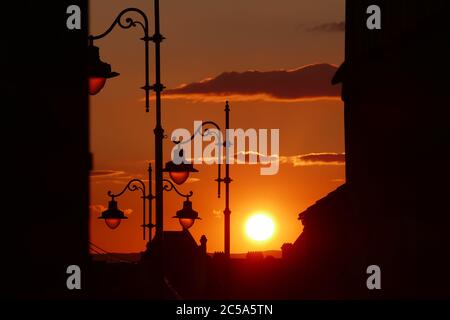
[159, 136]
[227, 181]
[149, 199]
[144, 214]
[147, 71]
[158, 131]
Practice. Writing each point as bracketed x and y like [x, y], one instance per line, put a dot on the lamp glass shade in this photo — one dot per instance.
[96, 84]
[112, 223]
[179, 177]
[186, 223]
[179, 173]
[113, 215]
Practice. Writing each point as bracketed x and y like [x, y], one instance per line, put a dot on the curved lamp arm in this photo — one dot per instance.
[170, 186]
[130, 22]
[198, 131]
[134, 185]
[206, 132]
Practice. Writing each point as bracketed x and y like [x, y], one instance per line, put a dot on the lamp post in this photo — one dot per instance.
[100, 71]
[178, 168]
[113, 215]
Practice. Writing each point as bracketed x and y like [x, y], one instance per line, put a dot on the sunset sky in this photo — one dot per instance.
[291, 47]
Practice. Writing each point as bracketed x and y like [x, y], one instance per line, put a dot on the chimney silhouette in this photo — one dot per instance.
[203, 241]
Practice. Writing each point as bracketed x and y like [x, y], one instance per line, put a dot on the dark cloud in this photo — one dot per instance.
[323, 157]
[307, 83]
[315, 159]
[246, 155]
[260, 158]
[328, 27]
[309, 159]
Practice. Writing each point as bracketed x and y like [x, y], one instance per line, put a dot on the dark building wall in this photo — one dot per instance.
[397, 141]
[45, 151]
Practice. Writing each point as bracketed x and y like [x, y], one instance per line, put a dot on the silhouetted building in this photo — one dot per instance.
[255, 255]
[286, 250]
[185, 263]
[45, 148]
[396, 120]
[391, 211]
[325, 261]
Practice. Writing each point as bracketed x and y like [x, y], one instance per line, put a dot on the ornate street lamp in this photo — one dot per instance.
[179, 173]
[187, 215]
[99, 71]
[113, 216]
[183, 171]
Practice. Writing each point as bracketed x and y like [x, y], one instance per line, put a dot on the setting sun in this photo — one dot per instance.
[259, 227]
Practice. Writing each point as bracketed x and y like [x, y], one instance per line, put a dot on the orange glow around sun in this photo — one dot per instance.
[260, 227]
